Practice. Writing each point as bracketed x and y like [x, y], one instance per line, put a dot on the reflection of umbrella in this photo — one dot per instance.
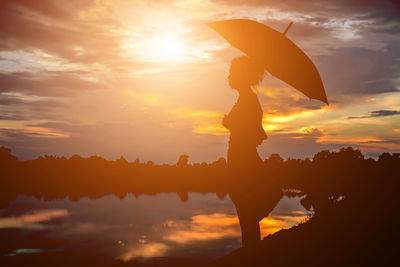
[277, 53]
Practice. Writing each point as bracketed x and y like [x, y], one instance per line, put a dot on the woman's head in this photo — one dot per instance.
[245, 73]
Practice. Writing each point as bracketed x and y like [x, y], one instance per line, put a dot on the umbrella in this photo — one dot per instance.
[277, 54]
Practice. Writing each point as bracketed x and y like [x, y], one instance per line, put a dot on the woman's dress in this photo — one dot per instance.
[245, 165]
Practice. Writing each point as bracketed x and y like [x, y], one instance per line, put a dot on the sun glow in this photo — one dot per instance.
[160, 47]
[166, 47]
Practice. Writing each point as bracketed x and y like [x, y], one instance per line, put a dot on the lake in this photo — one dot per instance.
[143, 229]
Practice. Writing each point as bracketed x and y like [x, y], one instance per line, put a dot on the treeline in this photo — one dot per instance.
[325, 179]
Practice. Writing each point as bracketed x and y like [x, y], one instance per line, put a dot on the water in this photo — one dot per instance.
[133, 229]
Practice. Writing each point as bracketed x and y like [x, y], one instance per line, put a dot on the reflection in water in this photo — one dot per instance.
[150, 250]
[158, 226]
[274, 223]
[204, 227]
[30, 251]
[31, 221]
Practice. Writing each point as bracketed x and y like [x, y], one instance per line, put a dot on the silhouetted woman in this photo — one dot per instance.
[244, 122]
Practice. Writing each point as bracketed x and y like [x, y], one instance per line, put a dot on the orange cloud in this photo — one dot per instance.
[192, 113]
[44, 132]
[294, 115]
[33, 131]
[150, 99]
[202, 121]
[326, 139]
[210, 129]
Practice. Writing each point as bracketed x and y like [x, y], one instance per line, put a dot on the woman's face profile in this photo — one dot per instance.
[231, 80]
[236, 80]
[244, 73]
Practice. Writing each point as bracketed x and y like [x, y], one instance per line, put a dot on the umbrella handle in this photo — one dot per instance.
[288, 27]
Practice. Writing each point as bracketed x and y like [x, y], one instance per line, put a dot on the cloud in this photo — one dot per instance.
[388, 141]
[201, 121]
[280, 99]
[377, 113]
[49, 8]
[11, 117]
[350, 71]
[47, 83]
[378, 9]
[32, 131]
[62, 30]
[295, 143]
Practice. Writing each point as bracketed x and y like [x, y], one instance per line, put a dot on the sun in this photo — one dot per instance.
[168, 47]
[160, 47]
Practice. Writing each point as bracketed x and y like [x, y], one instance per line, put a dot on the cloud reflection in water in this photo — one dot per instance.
[150, 250]
[274, 223]
[33, 219]
[204, 227]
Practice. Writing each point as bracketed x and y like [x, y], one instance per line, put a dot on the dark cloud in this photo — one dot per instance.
[377, 113]
[77, 40]
[295, 145]
[6, 100]
[18, 106]
[354, 70]
[301, 29]
[287, 100]
[35, 111]
[55, 27]
[45, 83]
[50, 8]
[388, 141]
[21, 135]
[305, 103]
[11, 117]
[385, 10]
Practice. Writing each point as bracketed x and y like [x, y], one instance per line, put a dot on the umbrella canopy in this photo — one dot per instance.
[277, 53]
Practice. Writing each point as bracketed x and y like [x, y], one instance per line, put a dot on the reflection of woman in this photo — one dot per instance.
[245, 125]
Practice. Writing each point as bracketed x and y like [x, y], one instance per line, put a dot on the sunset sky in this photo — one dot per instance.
[148, 79]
